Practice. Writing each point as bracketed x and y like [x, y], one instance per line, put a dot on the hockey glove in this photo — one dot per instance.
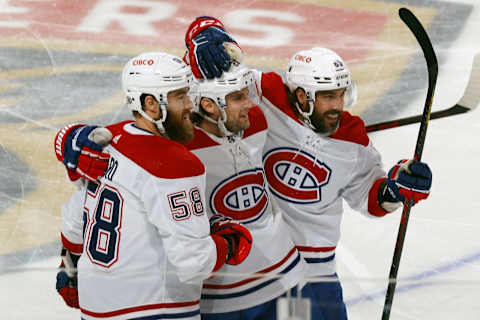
[210, 49]
[407, 179]
[238, 238]
[80, 147]
[67, 279]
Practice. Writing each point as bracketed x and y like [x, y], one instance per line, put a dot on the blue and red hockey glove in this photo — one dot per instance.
[207, 54]
[238, 238]
[80, 149]
[407, 179]
[67, 283]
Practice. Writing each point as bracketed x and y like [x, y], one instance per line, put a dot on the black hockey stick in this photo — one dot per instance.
[468, 102]
[419, 32]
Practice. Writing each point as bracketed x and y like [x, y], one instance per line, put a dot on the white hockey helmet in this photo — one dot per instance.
[154, 73]
[319, 69]
[236, 79]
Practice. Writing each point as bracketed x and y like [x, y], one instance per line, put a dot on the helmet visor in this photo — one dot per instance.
[351, 95]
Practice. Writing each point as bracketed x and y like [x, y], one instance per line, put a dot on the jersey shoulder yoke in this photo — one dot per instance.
[161, 157]
[351, 129]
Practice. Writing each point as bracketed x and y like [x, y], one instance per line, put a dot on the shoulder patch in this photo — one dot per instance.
[351, 129]
[200, 140]
[258, 122]
[159, 156]
[273, 89]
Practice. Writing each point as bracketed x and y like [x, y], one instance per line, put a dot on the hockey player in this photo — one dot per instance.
[229, 137]
[317, 154]
[144, 237]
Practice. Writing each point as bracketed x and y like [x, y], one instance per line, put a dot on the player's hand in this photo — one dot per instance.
[67, 288]
[210, 49]
[67, 278]
[80, 148]
[408, 179]
[237, 236]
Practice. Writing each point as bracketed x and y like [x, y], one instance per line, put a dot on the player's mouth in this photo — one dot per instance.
[186, 117]
[332, 117]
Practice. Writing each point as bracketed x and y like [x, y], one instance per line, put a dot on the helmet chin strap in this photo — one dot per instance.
[305, 119]
[221, 122]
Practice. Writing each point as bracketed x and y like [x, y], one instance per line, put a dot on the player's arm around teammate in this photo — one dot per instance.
[147, 212]
[319, 87]
[311, 133]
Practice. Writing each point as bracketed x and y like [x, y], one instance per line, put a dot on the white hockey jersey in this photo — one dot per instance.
[145, 232]
[309, 174]
[236, 187]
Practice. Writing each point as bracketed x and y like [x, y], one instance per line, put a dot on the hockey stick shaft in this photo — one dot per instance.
[456, 109]
[468, 102]
[420, 34]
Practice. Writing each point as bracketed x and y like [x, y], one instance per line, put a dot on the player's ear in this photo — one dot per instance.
[208, 106]
[148, 102]
[301, 96]
[151, 105]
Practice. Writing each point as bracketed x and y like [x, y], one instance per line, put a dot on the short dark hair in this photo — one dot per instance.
[292, 99]
[143, 96]
[291, 96]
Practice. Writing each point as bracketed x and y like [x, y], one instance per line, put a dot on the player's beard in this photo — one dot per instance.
[179, 127]
[242, 123]
[323, 124]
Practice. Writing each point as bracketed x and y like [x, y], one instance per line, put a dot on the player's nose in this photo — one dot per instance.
[189, 104]
[247, 103]
[338, 103]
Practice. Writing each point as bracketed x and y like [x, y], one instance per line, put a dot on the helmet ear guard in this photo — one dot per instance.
[156, 74]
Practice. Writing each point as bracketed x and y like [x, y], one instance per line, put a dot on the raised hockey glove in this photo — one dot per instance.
[80, 148]
[210, 49]
[67, 279]
[238, 238]
[407, 179]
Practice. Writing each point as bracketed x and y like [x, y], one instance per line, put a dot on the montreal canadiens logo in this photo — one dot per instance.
[294, 175]
[242, 196]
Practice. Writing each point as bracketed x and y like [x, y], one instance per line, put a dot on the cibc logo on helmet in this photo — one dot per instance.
[295, 176]
[143, 62]
[305, 59]
[242, 197]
